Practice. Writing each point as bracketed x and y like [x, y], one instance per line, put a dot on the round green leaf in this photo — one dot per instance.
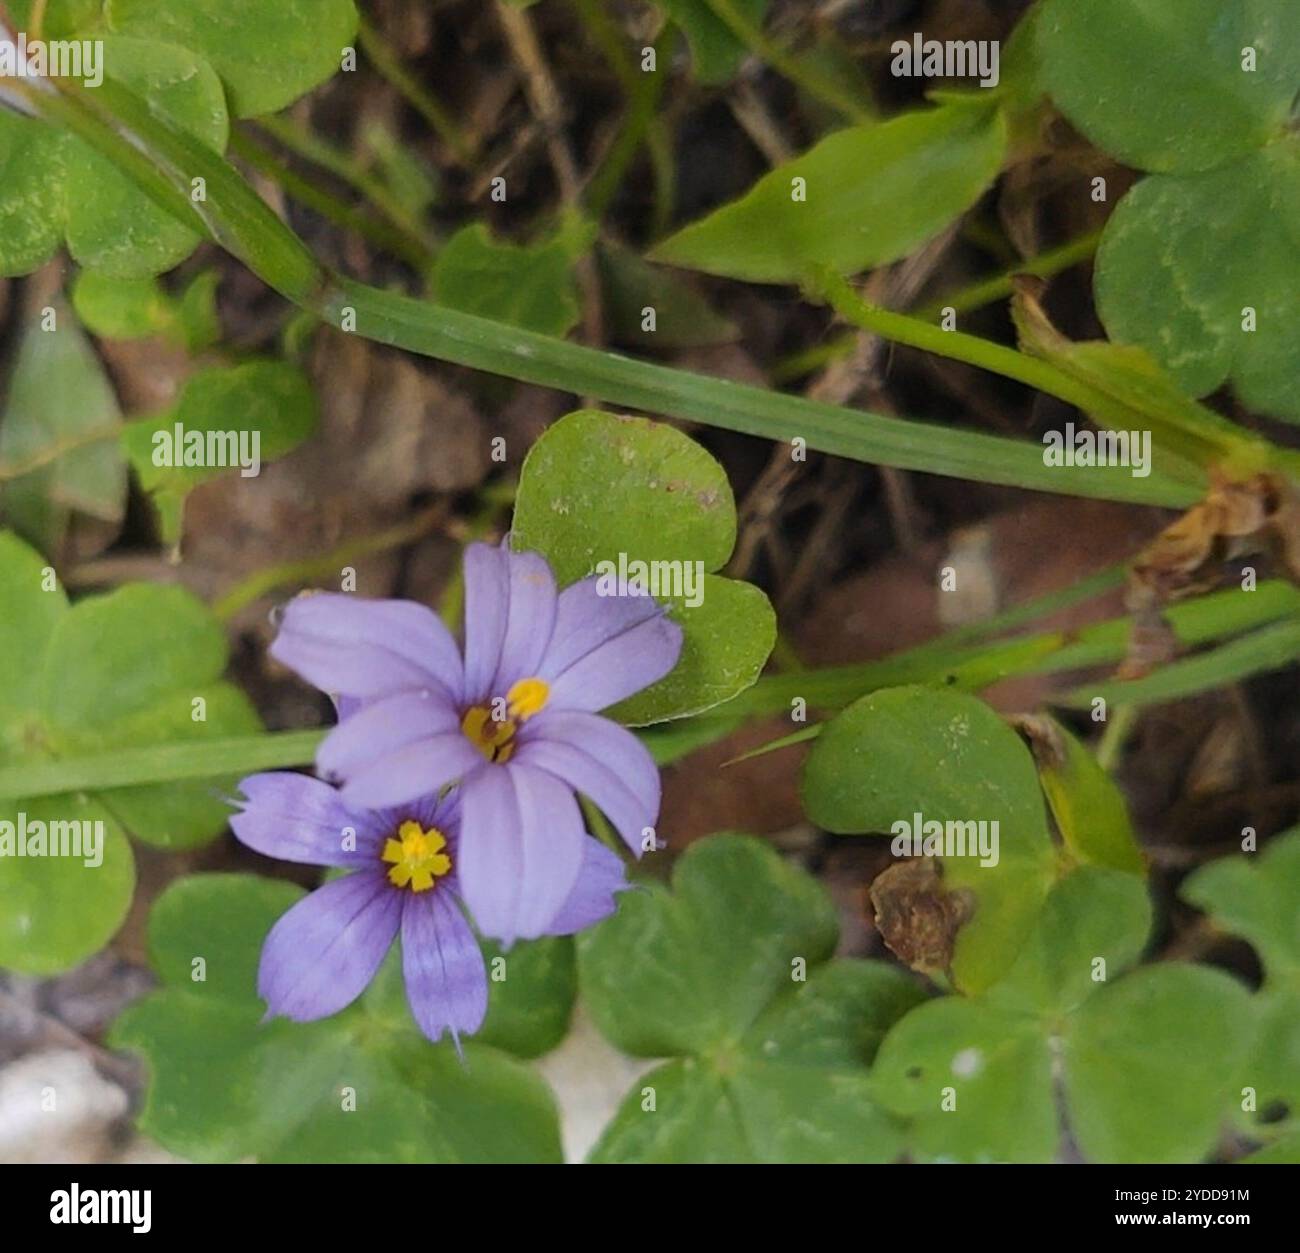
[659, 976]
[267, 54]
[34, 605]
[1154, 1064]
[868, 195]
[224, 1085]
[1182, 264]
[530, 995]
[55, 911]
[32, 159]
[1163, 84]
[597, 489]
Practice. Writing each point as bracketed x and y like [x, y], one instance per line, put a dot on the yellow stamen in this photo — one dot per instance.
[528, 697]
[493, 738]
[417, 856]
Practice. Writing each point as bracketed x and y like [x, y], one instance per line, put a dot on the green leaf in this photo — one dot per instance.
[1087, 805]
[225, 1086]
[873, 193]
[1258, 896]
[683, 318]
[716, 51]
[55, 911]
[1160, 84]
[241, 415]
[1150, 1063]
[59, 395]
[140, 666]
[1180, 264]
[1153, 1064]
[108, 223]
[531, 285]
[913, 754]
[530, 995]
[772, 1051]
[267, 54]
[597, 488]
[117, 308]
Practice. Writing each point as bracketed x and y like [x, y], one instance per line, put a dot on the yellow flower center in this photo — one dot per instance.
[494, 735]
[417, 857]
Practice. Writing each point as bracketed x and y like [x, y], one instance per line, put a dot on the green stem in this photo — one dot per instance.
[303, 144]
[797, 72]
[330, 207]
[163, 160]
[168, 763]
[999, 286]
[903, 328]
[390, 67]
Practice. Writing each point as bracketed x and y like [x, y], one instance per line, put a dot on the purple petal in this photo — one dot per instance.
[322, 953]
[367, 648]
[487, 608]
[446, 980]
[382, 728]
[601, 878]
[521, 847]
[418, 770]
[530, 618]
[606, 648]
[297, 818]
[602, 760]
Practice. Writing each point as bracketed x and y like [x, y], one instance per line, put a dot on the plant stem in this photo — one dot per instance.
[165, 763]
[302, 143]
[752, 37]
[390, 67]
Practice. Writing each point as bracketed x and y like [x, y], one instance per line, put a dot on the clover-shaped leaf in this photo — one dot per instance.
[362, 1086]
[1199, 261]
[226, 420]
[139, 666]
[54, 187]
[630, 499]
[860, 198]
[1150, 1061]
[916, 761]
[1259, 898]
[768, 1054]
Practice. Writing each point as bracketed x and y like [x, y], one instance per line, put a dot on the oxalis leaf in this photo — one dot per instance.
[1258, 896]
[54, 188]
[1199, 261]
[59, 396]
[244, 415]
[139, 666]
[769, 1055]
[917, 756]
[1151, 1061]
[362, 1086]
[860, 198]
[597, 488]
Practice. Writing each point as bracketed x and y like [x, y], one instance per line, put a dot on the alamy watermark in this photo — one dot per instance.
[34, 837]
[59, 58]
[950, 58]
[928, 837]
[1086, 447]
[679, 581]
[221, 449]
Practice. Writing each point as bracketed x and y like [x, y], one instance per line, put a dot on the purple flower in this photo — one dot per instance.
[515, 722]
[404, 878]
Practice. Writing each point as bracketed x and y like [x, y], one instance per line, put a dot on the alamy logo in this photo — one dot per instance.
[680, 581]
[219, 449]
[131, 1207]
[928, 837]
[61, 58]
[952, 58]
[1086, 447]
[33, 837]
